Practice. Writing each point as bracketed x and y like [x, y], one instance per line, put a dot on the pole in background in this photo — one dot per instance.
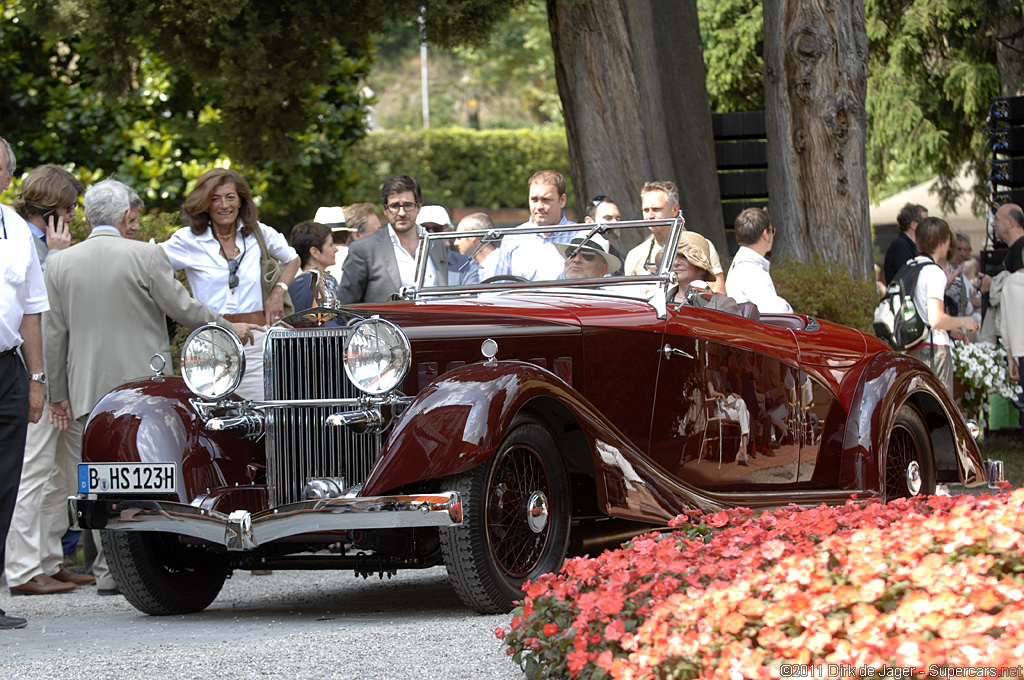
[423, 66]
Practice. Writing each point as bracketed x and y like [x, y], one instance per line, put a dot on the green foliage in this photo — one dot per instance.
[457, 166]
[826, 291]
[271, 90]
[732, 34]
[505, 79]
[518, 56]
[157, 135]
[932, 71]
[256, 62]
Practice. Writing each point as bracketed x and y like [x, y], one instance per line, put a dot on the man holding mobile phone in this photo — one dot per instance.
[48, 200]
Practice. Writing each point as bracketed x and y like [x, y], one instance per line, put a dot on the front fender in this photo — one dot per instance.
[149, 420]
[889, 381]
[457, 422]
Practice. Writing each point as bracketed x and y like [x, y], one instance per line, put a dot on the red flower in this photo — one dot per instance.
[550, 629]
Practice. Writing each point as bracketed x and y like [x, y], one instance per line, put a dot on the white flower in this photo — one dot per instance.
[982, 370]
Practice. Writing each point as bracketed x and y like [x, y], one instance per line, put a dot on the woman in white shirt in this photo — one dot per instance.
[219, 252]
[934, 239]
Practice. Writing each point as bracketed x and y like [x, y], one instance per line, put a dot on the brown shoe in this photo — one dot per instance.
[71, 577]
[42, 585]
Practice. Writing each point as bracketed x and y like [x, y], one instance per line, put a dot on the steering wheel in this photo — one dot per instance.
[504, 277]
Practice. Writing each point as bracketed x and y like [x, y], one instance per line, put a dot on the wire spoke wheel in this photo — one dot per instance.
[517, 543]
[909, 467]
[517, 517]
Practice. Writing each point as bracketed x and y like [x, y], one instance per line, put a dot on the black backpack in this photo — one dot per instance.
[897, 320]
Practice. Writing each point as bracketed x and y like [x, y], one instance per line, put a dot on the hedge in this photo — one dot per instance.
[459, 167]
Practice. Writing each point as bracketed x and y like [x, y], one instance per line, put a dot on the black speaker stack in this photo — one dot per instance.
[1005, 130]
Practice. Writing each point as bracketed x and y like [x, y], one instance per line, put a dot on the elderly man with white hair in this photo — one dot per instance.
[109, 296]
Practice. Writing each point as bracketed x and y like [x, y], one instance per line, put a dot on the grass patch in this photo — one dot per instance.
[1010, 450]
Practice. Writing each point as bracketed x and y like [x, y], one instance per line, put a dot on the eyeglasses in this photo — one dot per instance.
[233, 272]
[598, 200]
[588, 255]
[395, 207]
[234, 264]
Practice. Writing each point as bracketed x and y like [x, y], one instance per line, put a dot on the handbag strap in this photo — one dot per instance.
[258, 233]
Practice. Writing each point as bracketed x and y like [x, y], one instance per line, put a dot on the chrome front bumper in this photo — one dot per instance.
[242, 530]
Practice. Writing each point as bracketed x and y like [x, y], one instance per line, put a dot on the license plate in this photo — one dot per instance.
[126, 478]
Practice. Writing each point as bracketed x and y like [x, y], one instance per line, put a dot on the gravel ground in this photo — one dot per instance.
[289, 624]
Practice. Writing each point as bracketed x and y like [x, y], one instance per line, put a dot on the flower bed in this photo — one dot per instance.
[911, 587]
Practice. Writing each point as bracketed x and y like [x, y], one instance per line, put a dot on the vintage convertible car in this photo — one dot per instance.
[496, 429]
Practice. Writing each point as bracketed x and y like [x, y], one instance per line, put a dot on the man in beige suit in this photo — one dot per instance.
[108, 299]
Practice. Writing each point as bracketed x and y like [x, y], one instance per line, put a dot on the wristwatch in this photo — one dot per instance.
[282, 285]
[38, 377]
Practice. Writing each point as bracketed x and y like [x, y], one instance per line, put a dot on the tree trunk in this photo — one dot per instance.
[631, 79]
[1009, 33]
[816, 57]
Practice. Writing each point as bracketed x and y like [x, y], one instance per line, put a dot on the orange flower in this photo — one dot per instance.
[733, 623]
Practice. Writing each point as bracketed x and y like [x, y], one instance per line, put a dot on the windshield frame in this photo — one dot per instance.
[662, 279]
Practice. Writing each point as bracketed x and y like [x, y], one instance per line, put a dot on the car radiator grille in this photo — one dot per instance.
[308, 364]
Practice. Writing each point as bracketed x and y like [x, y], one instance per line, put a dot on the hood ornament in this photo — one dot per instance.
[322, 297]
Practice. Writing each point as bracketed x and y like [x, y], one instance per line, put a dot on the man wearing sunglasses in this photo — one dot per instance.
[587, 259]
[381, 264]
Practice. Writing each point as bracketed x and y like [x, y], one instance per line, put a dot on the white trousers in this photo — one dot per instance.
[251, 386]
[734, 408]
[48, 477]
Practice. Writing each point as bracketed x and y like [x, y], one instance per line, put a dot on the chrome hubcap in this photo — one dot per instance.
[537, 511]
[913, 477]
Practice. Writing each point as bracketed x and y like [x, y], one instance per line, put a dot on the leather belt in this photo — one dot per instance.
[258, 318]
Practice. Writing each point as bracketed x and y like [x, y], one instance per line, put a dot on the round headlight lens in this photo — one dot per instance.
[212, 362]
[377, 356]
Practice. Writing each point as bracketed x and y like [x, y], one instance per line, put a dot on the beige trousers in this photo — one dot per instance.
[48, 476]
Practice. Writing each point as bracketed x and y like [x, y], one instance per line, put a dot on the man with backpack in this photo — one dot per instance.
[934, 239]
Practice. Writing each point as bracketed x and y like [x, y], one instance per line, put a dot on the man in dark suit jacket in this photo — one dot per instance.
[380, 265]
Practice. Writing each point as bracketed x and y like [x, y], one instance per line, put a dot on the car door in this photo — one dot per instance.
[698, 438]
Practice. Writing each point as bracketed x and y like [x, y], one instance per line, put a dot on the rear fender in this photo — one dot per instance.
[149, 420]
[458, 422]
[889, 381]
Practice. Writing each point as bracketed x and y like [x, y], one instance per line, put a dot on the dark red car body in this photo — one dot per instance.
[616, 385]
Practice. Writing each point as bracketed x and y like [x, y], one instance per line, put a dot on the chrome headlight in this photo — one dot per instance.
[212, 362]
[377, 356]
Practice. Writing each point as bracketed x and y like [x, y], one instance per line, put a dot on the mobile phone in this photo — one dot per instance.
[47, 215]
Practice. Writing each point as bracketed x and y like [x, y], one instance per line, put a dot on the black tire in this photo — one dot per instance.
[495, 549]
[909, 451]
[160, 575]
